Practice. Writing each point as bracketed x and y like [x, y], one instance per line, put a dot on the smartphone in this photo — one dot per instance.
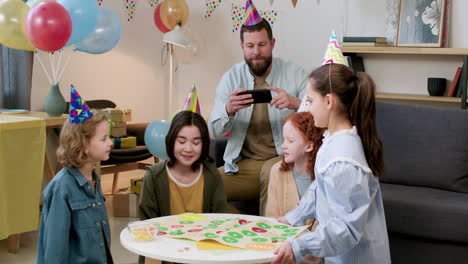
[259, 95]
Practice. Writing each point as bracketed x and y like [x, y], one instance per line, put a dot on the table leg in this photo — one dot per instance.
[13, 243]
[49, 172]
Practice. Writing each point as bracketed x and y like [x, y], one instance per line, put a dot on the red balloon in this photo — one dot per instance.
[157, 20]
[48, 26]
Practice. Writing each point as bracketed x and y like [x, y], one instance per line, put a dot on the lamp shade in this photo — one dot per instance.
[176, 37]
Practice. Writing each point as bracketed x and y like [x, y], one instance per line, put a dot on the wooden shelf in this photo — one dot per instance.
[405, 50]
[417, 97]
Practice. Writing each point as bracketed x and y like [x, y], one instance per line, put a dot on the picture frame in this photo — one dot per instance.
[422, 23]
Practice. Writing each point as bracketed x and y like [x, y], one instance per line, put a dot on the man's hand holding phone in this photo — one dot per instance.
[237, 102]
[283, 99]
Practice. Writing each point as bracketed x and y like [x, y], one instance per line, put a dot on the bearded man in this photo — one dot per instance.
[256, 134]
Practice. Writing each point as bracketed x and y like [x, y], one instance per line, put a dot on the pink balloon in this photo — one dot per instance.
[157, 20]
[48, 26]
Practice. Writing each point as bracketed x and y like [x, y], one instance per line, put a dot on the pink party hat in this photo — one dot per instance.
[333, 54]
[79, 110]
[252, 17]
[191, 103]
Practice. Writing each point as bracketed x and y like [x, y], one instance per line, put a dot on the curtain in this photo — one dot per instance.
[15, 78]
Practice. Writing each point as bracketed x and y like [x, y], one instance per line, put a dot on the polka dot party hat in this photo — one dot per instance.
[79, 110]
[252, 17]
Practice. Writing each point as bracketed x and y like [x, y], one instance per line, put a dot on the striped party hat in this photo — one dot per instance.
[333, 54]
[252, 17]
[191, 103]
[79, 110]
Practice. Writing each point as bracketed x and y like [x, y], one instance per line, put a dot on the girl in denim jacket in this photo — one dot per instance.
[74, 225]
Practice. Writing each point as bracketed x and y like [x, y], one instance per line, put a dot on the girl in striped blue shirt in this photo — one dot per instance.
[345, 198]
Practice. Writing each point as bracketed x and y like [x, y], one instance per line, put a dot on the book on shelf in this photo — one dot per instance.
[455, 81]
[364, 44]
[459, 87]
[364, 39]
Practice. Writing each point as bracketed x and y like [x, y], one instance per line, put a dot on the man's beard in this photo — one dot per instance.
[259, 69]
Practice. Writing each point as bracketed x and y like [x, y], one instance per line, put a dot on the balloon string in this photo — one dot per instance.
[65, 65]
[54, 76]
[58, 64]
[40, 62]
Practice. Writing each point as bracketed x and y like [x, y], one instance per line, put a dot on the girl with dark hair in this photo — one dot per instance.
[291, 177]
[345, 197]
[188, 181]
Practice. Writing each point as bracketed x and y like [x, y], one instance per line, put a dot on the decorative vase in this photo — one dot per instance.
[55, 104]
[436, 86]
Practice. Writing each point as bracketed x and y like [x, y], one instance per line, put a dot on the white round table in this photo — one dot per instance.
[185, 251]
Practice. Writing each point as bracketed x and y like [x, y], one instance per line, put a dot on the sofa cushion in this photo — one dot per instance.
[424, 146]
[426, 212]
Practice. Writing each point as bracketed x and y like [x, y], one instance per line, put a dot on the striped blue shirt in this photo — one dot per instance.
[346, 200]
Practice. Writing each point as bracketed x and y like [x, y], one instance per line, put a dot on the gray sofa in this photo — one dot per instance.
[425, 184]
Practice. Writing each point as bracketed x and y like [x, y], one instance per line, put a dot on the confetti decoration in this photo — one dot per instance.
[99, 2]
[153, 3]
[211, 6]
[130, 6]
[237, 15]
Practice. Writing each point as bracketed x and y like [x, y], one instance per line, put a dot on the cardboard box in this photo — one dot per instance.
[135, 185]
[125, 204]
[118, 131]
[119, 115]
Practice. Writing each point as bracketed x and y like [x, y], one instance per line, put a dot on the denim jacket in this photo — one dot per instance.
[74, 225]
[284, 75]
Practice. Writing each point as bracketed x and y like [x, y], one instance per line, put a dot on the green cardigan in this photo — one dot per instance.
[154, 200]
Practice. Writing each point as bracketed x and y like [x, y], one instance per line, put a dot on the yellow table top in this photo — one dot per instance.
[50, 121]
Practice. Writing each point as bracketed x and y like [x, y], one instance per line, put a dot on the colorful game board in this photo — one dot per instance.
[238, 232]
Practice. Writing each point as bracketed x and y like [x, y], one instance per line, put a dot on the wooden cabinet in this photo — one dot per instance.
[440, 101]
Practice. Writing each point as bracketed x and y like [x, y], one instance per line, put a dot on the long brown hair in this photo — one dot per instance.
[74, 137]
[356, 91]
[303, 121]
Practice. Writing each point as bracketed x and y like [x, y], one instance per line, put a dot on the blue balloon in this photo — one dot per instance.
[105, 36]
[155, 138]
[83, 14]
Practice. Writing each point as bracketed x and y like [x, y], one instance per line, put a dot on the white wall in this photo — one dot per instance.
[132, 76]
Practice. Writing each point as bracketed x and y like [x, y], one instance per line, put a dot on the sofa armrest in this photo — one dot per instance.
[217, 147]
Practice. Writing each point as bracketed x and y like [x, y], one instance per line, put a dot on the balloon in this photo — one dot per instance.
[12, 18]
[105, 36]
[157, 20]
[173, 11]
[30, 3]
[155, 138]
[83, 15]
[48, 26]
[193, 52]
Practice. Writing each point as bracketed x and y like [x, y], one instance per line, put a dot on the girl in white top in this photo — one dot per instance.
[345, 197]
